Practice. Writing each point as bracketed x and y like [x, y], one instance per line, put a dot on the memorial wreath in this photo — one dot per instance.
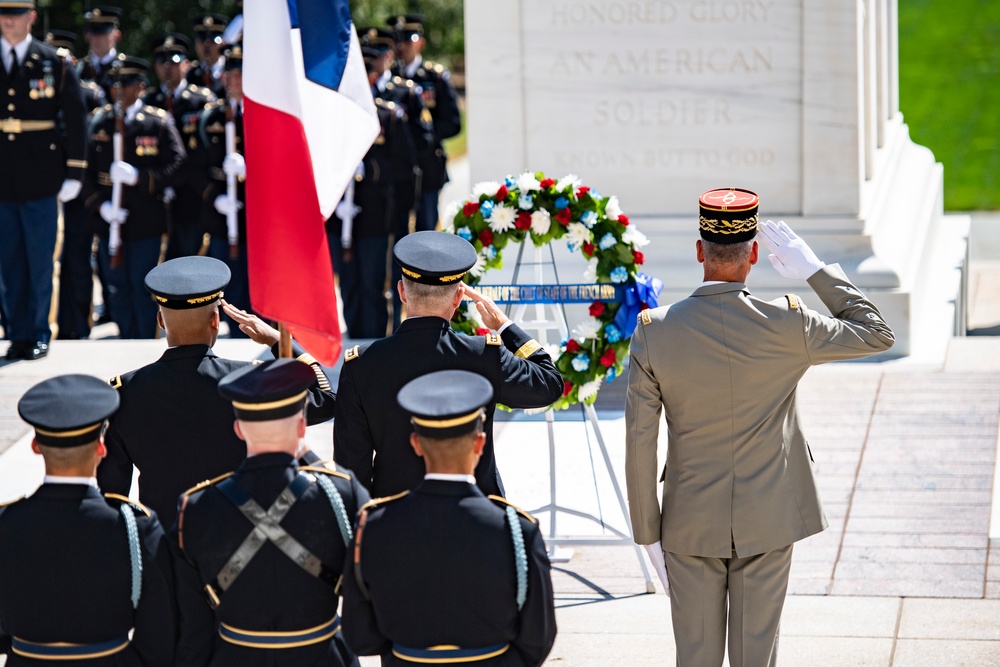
[533, 206]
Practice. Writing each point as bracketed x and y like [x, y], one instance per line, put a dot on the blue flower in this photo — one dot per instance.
[509, 182]
[611, 375]
[612, 333]
[581, 362]
[489, 252]
[562, 202]
[486, 208]
[595, 194]
[589, 218]
[608, 241]
[525, 202]
[619, 275]
[464, 233]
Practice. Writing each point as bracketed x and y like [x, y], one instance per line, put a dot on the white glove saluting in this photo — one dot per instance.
[224, 205]
[108, 213]
[70, 190]
[124, 173]
[234, 165]
[791, 256]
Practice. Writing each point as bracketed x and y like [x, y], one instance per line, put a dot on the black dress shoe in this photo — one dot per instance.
[35, 350]
[16, 351]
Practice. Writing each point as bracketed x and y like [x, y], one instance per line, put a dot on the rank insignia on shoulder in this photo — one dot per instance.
[493, 339]
[116, 382]
[503, 502]
[645, 317]
[793, 301]
[128, 501]
[353, 353]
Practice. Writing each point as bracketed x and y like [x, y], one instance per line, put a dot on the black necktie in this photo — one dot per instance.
[12, 73]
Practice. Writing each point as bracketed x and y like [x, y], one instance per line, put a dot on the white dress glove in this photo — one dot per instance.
[124, 173]
[108, 213]
[655, 553]
[234, 165]
[347, 210]
[224, 205]
[791, 256]
[70, 190]
[169, 194]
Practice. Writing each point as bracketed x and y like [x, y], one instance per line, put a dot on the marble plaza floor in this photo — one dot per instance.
[907, 574]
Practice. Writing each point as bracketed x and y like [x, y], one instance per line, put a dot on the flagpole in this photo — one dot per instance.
[284, 342]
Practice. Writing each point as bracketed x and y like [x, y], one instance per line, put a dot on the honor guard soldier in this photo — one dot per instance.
[185, 102]
[173, 425]
[369, 423]
[85, 578]
[102, 35]
[213, 167]
[42, 153]
[207, 70]
[264, 546]
[444, 574]
[65, 41]
[151, 162]
[441, 100]
[359, 230]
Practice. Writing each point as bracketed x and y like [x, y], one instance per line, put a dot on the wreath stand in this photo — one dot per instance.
[541, 325]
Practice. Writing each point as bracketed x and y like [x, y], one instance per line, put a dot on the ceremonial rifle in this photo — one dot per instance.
[118, 154]
[232, 217]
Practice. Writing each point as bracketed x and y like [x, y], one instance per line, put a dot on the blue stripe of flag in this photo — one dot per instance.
[325, 27]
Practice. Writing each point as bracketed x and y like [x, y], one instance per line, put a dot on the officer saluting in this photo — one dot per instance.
[69, 551]
[480, 560]
[264, 546]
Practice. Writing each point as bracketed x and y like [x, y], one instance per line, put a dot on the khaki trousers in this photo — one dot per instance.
[752, 588]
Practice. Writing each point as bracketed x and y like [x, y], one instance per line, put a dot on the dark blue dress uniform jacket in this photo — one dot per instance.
[439, 566]
[272, 594]
[65, 576]
[177, 429]
[205, 171]
[369, 421]
[34, 164]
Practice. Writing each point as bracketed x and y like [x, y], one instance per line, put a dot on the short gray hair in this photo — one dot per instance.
[430, 295]
[726, 253]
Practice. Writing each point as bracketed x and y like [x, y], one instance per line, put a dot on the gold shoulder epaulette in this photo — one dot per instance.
[793, 301]
[493, 339]
[8, 503]
[352, 354]
[128, 501]
[306, 358]
[326, 470]
[375, 502]
[116, 382]
[645, 317]
[500, 500]
[207, 483]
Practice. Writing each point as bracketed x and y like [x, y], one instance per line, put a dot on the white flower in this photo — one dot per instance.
[502, 219]
[612, 210]
[541, 221]
[588, 328]
[632, 236]
[448, 219]
[577, 234]
[488, 188]
[527, 182]
[553, 350]
[569, 180]
[479, 268]
[589, 389]
[471, 311]
[525, 202]
[590, 273]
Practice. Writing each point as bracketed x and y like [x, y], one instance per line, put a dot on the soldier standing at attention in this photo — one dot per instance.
[264, 546]
[185, 102]
[502, 612]
[369, 423]
[102, 35]
[42, 153]
[80, 571]
[152, 161]
[440, 98]
[173, 425]
[207, 71]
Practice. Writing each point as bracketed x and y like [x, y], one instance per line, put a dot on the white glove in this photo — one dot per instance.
[347, 210]
[224, 205]
[792, 257]
[655, 553]
[70, 190]
[108, 213]
[235, 165]
[169, 194]
[124, 173]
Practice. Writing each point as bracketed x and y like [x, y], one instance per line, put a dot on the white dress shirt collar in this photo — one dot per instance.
[411, 69]
[21, 49]
[58, 479]
[449, 477]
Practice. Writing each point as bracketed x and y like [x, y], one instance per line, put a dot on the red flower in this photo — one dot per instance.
[486, 237]
[567, 387]
[572, 345]
[470, 208]
[608, 358]
[623, 219]
[501, 193]
[563, 216]
[582, 190]
[638, 257]
[523, 220]
[547, 183]
[588, 250]
[597, 309]
[482, 331]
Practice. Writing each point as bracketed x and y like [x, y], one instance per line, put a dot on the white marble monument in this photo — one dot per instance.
[657, 101]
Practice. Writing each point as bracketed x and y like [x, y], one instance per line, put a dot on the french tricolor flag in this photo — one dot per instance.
[308, 120]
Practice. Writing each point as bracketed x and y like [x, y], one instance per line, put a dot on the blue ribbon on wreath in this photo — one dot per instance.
[645, 289]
